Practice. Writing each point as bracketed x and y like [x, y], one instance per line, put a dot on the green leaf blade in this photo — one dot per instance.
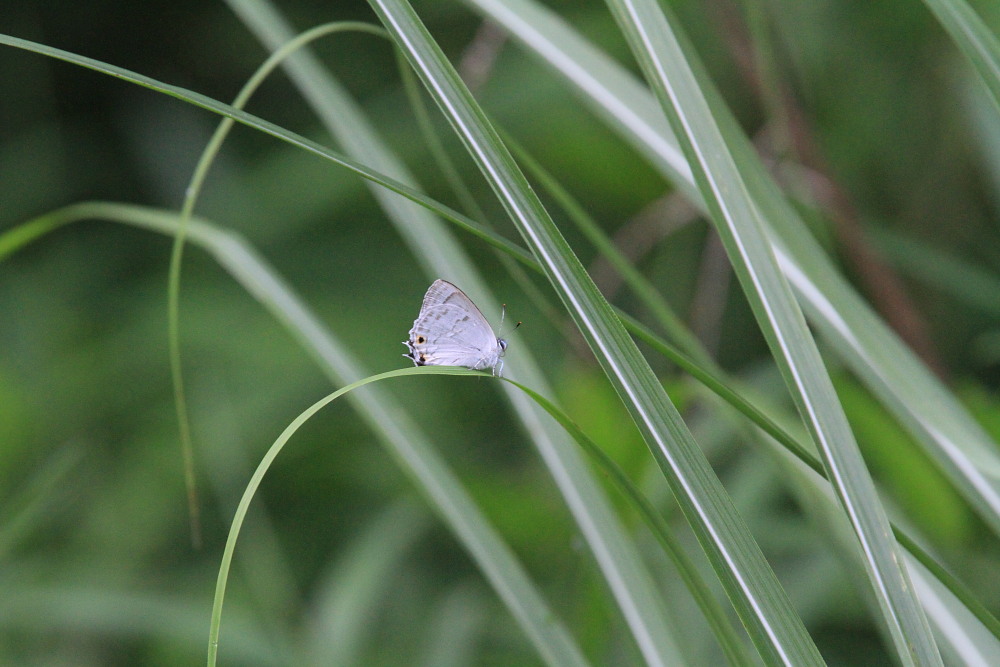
[759, 599]
[736, 217]
[962, 449]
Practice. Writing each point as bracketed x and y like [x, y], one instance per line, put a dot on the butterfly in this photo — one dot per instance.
[451, 331]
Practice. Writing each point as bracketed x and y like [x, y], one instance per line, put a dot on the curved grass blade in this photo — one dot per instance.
[264, 466]
[728, 639]
[760, 601]
[244, 118]
[438, 252]
[402, 437]
[232, 253]
[192, 191]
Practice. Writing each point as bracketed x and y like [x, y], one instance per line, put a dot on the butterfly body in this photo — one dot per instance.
[451, 331]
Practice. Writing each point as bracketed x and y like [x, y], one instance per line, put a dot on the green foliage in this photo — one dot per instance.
[663, 502]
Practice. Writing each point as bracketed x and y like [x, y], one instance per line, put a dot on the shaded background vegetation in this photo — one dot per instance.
[95, 542]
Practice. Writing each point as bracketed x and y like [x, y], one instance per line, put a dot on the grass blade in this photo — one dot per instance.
[974, 38]
[230, 249]
[265, 465]
[736, 218]
[403, 438]
[962, 449]
[714, 614]
[761, 603]
[177, 253]
[440, 255]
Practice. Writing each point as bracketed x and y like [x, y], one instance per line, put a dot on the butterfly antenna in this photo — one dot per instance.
[503, 314]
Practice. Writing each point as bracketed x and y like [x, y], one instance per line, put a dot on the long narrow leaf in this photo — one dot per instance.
[932, 414]
[760, 601]
[192, 191]
[736, 216]
[219, 242]
[700, 591]
[404, 438]
[439, 253]
[265, 465]
[962, 626]
[975, 40]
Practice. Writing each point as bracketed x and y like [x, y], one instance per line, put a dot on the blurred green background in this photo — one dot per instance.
[96, 562]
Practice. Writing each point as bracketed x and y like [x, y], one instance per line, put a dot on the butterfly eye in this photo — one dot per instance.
[421, 340]
[423, 359]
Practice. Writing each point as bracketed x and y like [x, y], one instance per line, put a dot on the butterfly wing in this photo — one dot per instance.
[451, 331]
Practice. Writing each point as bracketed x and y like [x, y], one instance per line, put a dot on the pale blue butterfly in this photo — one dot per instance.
[451, 331]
